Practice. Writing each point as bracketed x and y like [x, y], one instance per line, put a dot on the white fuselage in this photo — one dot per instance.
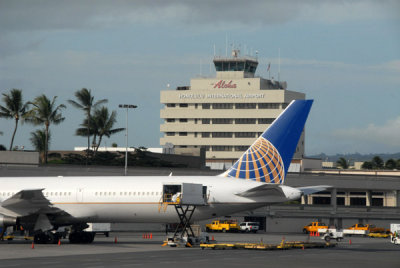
[137, 199]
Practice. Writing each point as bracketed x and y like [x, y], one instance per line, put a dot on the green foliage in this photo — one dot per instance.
[342, 162]
[14, 108]
[114, 145]
[2, 147]
[377, 162]
[367, 165]
[391, 164]
[85, 102]
[45, 112]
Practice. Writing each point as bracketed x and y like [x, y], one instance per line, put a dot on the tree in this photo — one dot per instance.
[38, 141]
[14, 109]
[390, 164]
[377, 162]
[45, 112]
[85, 102]
[367, 165]
[342, 162]
[101, 124]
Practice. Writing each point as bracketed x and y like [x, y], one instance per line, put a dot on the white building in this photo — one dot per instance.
[226, 113]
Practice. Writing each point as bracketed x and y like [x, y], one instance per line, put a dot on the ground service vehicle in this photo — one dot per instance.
[332, 234]
[249, 227]
[395, 233]
[223, 226]
[314, 226]
[368, 227]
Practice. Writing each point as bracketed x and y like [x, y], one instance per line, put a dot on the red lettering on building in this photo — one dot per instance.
[223, 84]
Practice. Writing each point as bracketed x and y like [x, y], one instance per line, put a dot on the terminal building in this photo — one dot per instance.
[223, 115]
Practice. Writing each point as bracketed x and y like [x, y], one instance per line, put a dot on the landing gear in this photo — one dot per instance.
[81, 237]
[46, 238]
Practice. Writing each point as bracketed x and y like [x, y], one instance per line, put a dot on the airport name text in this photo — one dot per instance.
[222, 96]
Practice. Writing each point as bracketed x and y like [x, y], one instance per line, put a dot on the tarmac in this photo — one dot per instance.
[130, 249]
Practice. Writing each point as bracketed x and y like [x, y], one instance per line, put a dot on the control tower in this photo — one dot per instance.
[223, 115]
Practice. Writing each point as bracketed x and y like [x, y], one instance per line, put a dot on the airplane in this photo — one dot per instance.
[41, 205]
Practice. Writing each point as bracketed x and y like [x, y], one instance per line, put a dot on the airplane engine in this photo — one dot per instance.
[7, 220]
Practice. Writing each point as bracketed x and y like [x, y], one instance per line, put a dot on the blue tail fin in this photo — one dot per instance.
[269, 157]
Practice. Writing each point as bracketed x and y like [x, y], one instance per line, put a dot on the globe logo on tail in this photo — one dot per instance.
[261, 162]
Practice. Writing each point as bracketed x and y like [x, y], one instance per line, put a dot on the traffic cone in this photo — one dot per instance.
[302, 247]
[115, 240]
[151, 235]
[143, 236]
[311, 233]
[317, 233]
[212, 238]
[59, 242]
[349, 241]
[33, 245]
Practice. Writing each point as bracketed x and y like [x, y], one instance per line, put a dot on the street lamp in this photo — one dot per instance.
[127, 106]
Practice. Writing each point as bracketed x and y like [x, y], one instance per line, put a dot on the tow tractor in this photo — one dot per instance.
[185, 198]
[395, 233]
[329, 234]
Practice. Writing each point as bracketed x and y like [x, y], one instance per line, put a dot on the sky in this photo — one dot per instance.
[343, 54]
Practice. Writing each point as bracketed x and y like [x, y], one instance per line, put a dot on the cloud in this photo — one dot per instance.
[384, 136]
[27, 15]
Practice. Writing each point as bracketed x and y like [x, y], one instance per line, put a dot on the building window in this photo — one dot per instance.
[205, 106]
[265, 121]
[222, 106]
[245, 121]
[241, 148]
[245, 134]
[268, 106]
[183, 120]
[222, 148]
[222, 121]
[245, 105]
[170, 133]
[183, 105]
[182, 133]
[222, 134]
[321, 200]
[170, 120]
[205, 121]
[284, 105]
[205, 134]
[170, 105]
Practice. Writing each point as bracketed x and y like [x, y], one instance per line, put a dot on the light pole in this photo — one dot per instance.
[127, 106]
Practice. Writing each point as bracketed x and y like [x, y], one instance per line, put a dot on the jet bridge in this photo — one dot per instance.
[185, 197]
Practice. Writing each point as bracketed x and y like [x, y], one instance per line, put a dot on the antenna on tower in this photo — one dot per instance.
[279, 65]
[226, 45]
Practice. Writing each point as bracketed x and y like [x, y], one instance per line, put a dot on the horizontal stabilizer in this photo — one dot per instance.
[313, 189]
[263, 190]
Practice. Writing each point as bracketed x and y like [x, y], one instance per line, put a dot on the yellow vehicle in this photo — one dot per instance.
[368, 227]
[223, 226]
[314, 226]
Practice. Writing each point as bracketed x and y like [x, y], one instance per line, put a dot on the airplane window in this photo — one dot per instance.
[65, 193]
[55, 193]
[134, 193]
[69, 193]
[121, 193]
[138, 193]
[129, 193]
[8, 194]
[100, 193]
[143, 193]
[109, 193]
[125, 193]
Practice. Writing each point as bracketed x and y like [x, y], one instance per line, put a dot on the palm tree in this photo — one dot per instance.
[45, 112]
[14, 108]
[85, 102]
[101, 124]
[342, 162]
[38, 140]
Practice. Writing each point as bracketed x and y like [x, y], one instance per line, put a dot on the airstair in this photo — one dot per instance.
[184, 197]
